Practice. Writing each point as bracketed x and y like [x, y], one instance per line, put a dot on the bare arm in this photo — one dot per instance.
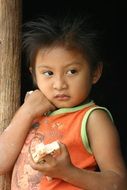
[105, 144]
[12, 139]
[106, 148]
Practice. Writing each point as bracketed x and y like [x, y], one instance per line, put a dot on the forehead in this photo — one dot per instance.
[59, 54]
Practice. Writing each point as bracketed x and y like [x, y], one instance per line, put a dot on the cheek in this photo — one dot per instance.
[40, 81]
[45, 88]
[83, 82]
[83, 85]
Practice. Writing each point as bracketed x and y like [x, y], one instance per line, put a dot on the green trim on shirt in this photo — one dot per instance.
[73, 109]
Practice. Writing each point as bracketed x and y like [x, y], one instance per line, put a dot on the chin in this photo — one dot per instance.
[64, 105]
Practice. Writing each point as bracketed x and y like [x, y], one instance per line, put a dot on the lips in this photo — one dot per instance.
[62, 97]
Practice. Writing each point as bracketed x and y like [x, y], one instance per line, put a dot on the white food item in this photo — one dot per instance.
[30, 92]
[42, 150]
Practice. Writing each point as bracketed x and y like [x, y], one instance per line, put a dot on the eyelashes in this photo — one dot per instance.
[72, 72]
[51, 73]
[48, 73]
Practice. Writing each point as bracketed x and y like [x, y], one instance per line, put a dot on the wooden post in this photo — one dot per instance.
[10, 30]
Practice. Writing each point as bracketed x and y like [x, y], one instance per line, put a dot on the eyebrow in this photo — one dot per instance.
[44, 66]
[68, 65]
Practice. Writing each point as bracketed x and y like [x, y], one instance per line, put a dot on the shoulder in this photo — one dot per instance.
[95, 112]
[104, 141]
[100, 125]
[97, 116]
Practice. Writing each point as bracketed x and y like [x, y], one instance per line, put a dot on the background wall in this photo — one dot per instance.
[112, 16]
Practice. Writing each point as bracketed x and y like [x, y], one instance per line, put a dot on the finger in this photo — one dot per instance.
[49, 159]
[63, 151]
[37, 166]
[62, 147]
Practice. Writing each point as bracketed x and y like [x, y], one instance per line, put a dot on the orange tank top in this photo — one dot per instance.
[68, 125]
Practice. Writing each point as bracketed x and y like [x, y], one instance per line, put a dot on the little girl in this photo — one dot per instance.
[65, 62]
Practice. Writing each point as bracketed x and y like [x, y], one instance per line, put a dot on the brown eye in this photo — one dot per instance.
[48, 73]
[72, 71]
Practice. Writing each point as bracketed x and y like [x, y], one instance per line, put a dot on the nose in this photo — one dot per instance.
[59, 83]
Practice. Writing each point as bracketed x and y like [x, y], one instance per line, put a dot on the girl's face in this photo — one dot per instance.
[64, 76]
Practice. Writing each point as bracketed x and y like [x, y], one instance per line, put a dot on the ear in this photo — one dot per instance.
[33, 76]
[30, 69]
[97, 73]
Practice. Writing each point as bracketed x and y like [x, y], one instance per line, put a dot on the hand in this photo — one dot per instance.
[55, 167]
[37, 104]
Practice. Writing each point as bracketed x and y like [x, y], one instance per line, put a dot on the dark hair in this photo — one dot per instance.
[78, 33]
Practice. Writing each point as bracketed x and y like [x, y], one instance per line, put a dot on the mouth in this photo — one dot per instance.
[62, 97]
